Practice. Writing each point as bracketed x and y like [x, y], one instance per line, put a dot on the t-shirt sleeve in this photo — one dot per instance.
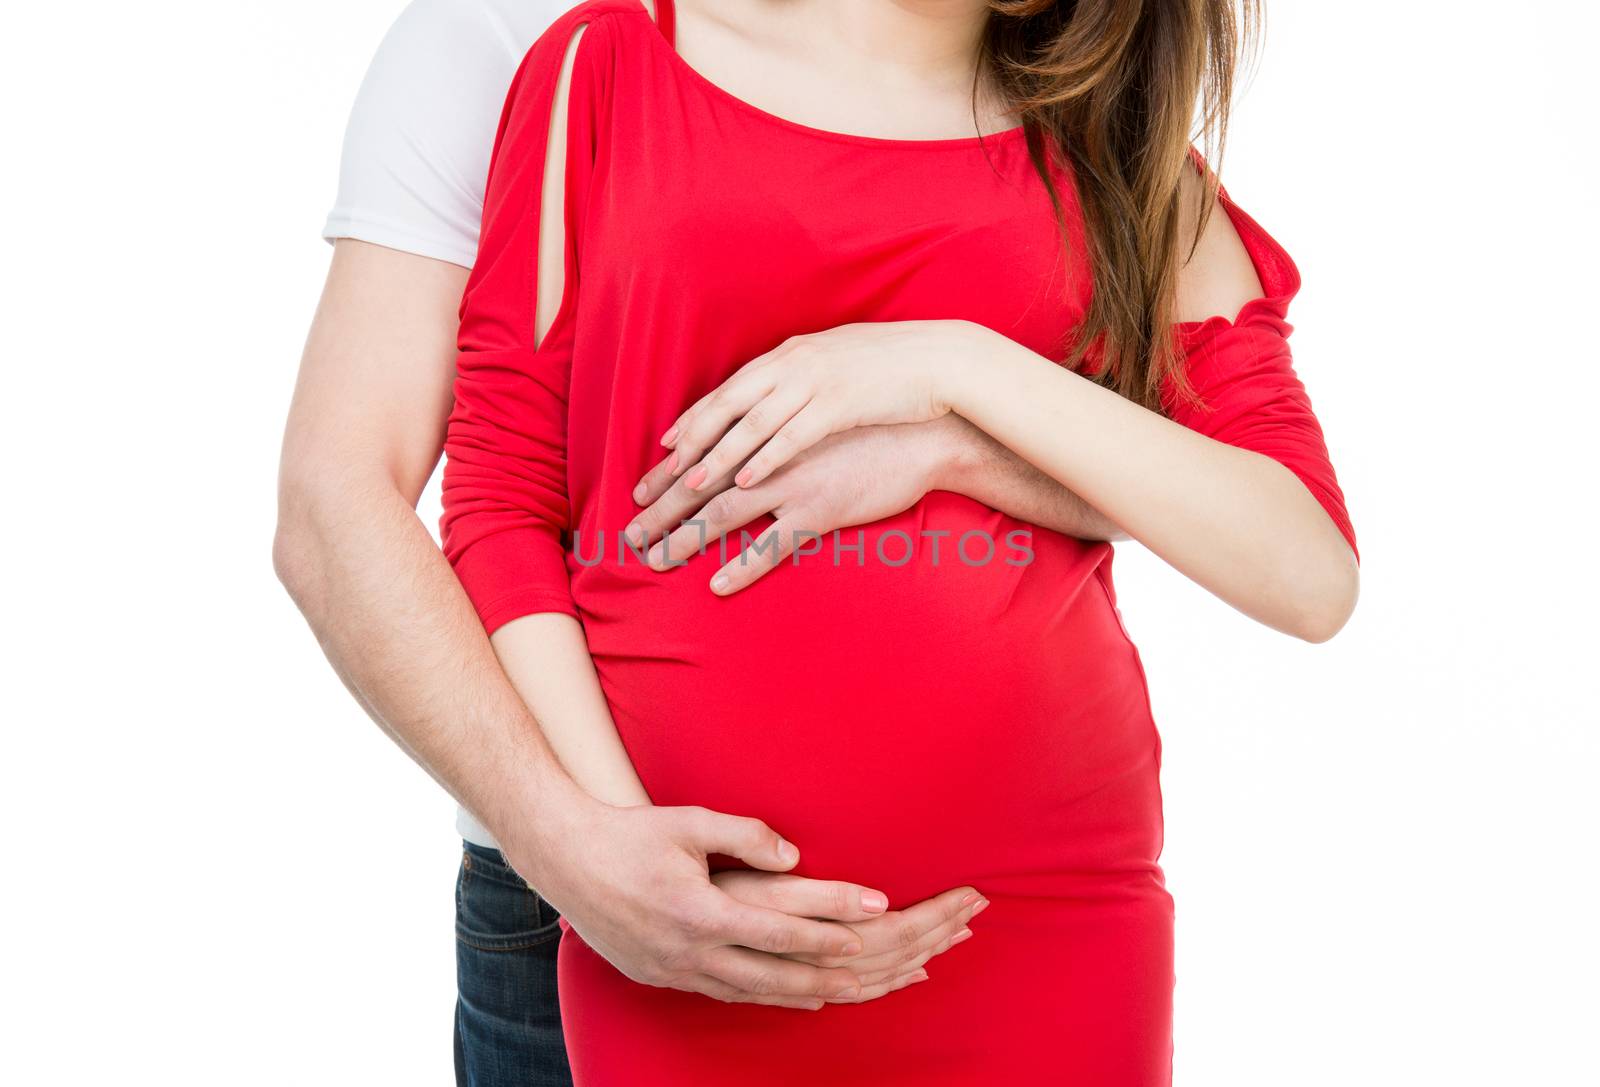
[1243, 374]
[416, 147]
[507, 516]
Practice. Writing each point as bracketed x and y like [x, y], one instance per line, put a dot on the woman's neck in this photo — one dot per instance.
[883, 67]
[924, 38]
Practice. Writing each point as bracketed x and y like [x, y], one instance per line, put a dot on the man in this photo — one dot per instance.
[363, 437]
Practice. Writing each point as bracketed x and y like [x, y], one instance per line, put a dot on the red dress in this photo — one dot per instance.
[913, 717]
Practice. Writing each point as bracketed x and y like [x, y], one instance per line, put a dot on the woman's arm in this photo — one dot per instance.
[545, 653]
[548, 661]
[1248, 508]
[1237, 522]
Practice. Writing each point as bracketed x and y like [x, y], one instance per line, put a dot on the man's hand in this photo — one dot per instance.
[635, 884]
[895, 943]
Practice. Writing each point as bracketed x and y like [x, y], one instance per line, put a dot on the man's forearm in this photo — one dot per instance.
[397, 627]
[983, 469]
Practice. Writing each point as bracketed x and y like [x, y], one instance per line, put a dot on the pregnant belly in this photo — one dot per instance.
[912, 727]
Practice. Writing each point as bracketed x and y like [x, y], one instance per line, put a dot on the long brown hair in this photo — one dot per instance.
[1113, 85]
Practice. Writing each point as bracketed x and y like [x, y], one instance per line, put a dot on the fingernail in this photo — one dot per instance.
[980, 907]
[849, 989]
[744, 477]
[634, 535]
[638, 494]
[874, 901]
[851, 948]
[671, 435]
[720, 583]
[970, 899]
[920, 975]
[787, 853]
[964, 934]
[672, 465]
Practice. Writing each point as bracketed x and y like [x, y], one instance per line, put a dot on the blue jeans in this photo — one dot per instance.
[508, 1018]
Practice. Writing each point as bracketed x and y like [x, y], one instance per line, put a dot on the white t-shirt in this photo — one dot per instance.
[416, 151]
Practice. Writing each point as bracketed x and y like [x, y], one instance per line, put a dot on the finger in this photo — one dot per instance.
[893, 966]
[899, 937]
[656, 482]
[718, 989]
[711, 420]
[766, 553]
[804, 430]
[673, 512]
[729, 509]
[873, 992]
[674, 433]
[770, 975]
[940, 915]
[669, 437]
[764, 420]
[779, 933]
[746, 839]
[834, 900]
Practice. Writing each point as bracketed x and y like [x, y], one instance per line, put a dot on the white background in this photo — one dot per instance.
[217, 871]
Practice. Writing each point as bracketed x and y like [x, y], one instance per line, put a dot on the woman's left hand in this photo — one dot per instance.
[812, 386]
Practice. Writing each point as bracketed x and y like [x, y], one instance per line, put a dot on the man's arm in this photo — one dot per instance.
[970, 462]
[364, 433]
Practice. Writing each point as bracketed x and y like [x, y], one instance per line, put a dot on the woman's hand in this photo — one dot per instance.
[812, 386]
[894, 944]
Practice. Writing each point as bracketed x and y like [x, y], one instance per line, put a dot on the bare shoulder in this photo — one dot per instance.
[1219, 277]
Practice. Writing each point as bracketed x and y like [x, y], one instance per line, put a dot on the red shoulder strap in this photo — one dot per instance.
[666, 19]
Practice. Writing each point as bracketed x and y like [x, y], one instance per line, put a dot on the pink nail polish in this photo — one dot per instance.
[695, 479]
[671, 435]
[744, 477]
[963, 935]
[672, 465]
[970, 899]
[874, 901]
[981, 906]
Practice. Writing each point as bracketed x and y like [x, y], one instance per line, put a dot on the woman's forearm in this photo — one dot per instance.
[1237, 522]
[547, 658]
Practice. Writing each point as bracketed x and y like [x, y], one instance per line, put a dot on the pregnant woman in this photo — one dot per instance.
[746, 229]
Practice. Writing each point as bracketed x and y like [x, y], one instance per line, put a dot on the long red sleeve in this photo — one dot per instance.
[506, 509]
[1244, 375]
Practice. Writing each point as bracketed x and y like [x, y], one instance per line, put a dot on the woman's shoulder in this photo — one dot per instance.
[1218, 277]
[620, 19]
[587, 43]
[1235, 263]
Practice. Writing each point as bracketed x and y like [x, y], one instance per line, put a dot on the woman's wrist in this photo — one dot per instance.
[980, 359]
